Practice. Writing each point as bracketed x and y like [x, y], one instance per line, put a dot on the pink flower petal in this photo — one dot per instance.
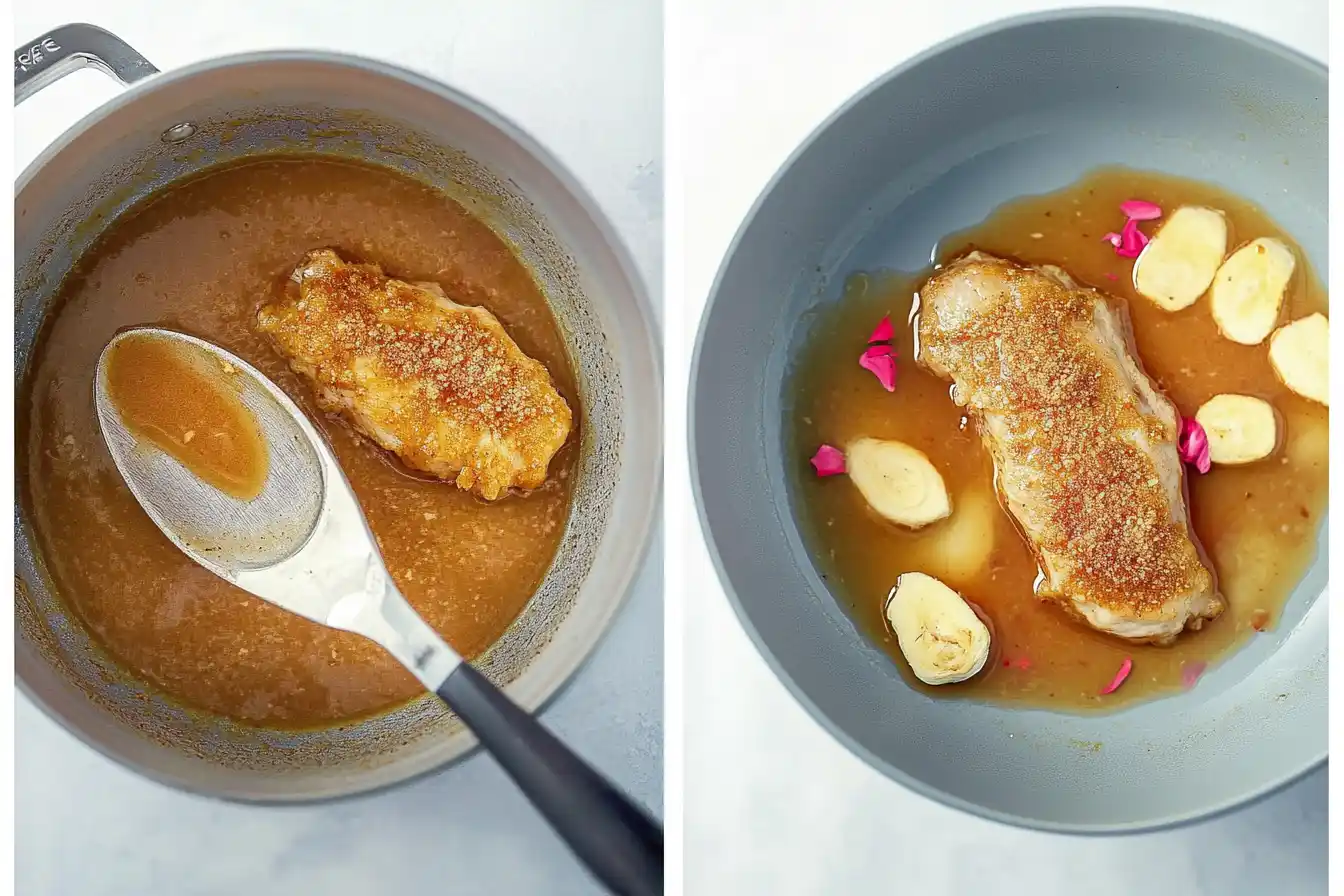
[1132, 240]
[880, 360]
[1190, 672]
[883, 332]
[1119, 678]
[829, 461]
[1113, 238]
[1110, 276]
[1193, 445]
[1140, 210]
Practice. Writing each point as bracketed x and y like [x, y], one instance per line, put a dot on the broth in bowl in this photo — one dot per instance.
[1254, 524]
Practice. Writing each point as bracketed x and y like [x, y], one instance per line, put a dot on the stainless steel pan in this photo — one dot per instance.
[166, 127]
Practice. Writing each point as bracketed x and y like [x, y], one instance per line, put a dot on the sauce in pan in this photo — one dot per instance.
[1257, 523]
[200, 259]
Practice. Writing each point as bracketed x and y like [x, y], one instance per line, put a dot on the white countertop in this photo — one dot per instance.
[585, 78]
[773, 804]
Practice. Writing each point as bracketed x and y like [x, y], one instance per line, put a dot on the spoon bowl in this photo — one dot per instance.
[221, 532]
[302, 543]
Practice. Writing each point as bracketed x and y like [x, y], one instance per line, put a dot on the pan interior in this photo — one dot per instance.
[236, 123]
[1019, 109]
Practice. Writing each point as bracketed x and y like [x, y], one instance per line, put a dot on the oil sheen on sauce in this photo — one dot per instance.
[167, 396]
[200, 259]
[1257, 523]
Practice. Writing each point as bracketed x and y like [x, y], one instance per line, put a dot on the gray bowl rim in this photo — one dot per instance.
[1253, 41]
[600, 220]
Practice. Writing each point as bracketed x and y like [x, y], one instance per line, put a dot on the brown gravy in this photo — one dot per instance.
[201, 258]
[165, 397]
[1257, 523]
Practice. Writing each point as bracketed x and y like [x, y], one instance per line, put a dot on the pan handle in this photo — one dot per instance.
[69, 48]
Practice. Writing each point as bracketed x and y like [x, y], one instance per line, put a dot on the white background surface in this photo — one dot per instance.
[586, 80]
[772, 803]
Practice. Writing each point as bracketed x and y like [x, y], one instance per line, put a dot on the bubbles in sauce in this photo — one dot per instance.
[184, 403]
[1257, 523]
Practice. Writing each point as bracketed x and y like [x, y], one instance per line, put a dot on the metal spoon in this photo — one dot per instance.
[303, 545]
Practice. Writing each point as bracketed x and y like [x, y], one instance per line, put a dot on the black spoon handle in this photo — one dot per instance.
[617, 839]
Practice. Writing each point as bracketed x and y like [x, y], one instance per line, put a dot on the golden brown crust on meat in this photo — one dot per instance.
[1066, 416]
[441, 385]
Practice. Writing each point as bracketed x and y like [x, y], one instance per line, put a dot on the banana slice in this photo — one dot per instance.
[942, 638]
[898, 482]
[1299, 352]
[962, 546]
[1178, 265]
[1248, 290]
[1241, 429]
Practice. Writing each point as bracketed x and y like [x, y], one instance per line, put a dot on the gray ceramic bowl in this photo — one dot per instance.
[1024, 106]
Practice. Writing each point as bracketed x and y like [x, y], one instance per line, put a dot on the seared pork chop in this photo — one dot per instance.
[1084, 445]
[440, 385]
